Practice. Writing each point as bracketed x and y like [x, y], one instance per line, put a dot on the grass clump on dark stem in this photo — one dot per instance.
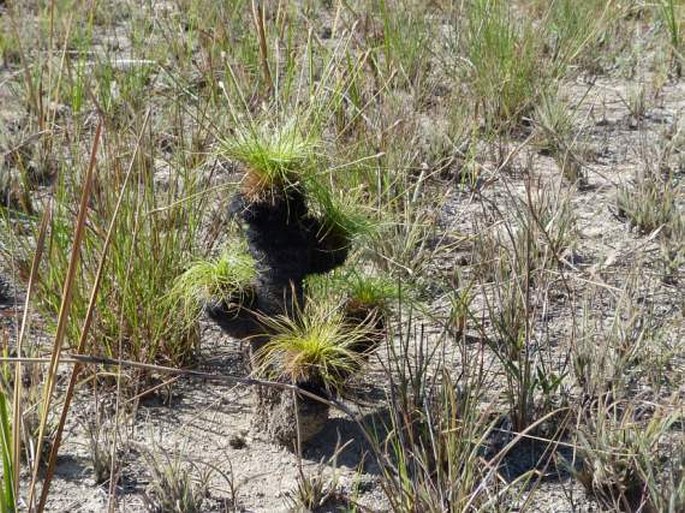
[445, 117]
[274, 157]
[318, 349]
[294, 227]
[368, 292]
[362, 294]
[227, 278]
[344, 218]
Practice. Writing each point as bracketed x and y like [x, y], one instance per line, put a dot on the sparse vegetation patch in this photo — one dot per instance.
[362, 255]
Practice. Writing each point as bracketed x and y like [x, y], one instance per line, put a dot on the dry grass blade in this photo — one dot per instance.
[258, 14]
[63, 318]
[16, 400]
[76, 370]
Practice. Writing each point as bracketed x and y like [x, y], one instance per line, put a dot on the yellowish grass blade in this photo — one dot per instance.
[63, 317]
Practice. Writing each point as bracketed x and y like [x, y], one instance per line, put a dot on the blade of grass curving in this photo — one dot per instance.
[76, 370]
[16, 399]
[7, 501]
[63, 318]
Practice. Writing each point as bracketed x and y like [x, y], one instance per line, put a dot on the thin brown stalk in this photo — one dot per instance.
[63, 318]
[76, 370]
[258, 16]
[16, 399]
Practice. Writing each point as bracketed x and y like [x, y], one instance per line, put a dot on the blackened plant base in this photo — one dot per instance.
[236, 316]
[372, 319]
[287, 244]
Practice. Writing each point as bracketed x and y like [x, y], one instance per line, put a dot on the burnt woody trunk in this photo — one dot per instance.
[287, 244]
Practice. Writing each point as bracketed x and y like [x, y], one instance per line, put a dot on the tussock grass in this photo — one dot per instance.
[363, 298]
[174, 486]
[341, 213]
[650, 204]
[619, 467]
[503, 63]
[373, 292]
[275, 157]
[318, 349]
[226, 278]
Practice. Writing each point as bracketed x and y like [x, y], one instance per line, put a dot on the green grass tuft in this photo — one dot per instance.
[274, 156]
[222, 278]
[317, 348]
[342, 213]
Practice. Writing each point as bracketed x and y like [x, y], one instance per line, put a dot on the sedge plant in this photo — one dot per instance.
[274, 157]
[226, 278]
[318, 348]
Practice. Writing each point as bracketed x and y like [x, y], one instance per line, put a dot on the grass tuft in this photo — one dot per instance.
[274, 156]
[174, 488]
[618, 464]
[223, 278]
[650, 204]
[317, 348]
[342, 214]
[504, 70]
